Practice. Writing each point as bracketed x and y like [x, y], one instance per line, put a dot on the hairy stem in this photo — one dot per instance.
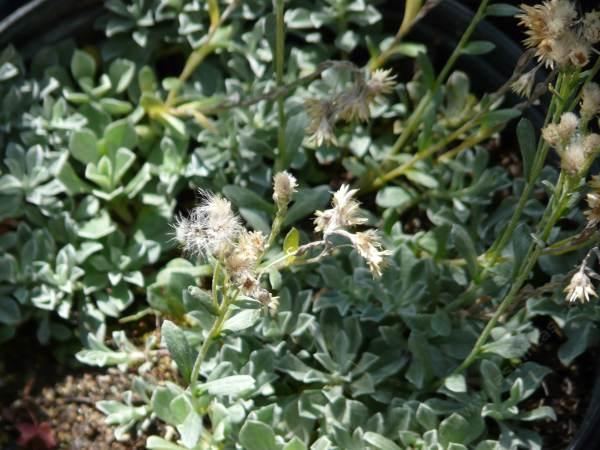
[416, 116]
[556, 207]
[279, 62]
[555, 110]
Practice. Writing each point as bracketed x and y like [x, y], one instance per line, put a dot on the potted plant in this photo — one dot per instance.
[369, 263]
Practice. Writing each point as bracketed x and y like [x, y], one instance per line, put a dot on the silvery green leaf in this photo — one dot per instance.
[161, 401]
[115, 107]
[380, 442]
[242, 320]
[114, 302]
[101, 173]
[456, 383]
[502, 10]
[10, 185]
[83, 146]
[527, 143]
[97, 228]
[120, 134]
[323, 443]
[191, 429]
[137, 183]
[455, 429]
[492, 379]
[478, 48]
[466, 248]
[256, 435]
[508, 346]
[245, 198]
[231, 386]
[8, 71]
[306, 202]
[72, 183]
[426, 417]
[82, 65]
[295, 444]
[158, 443]
[121, 73]
[124, 158]
[541, 412]
[119, 413]
[10, 313]
[179, 348]
[392, 197]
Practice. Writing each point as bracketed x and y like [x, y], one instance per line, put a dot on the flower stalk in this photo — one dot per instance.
[279, 63]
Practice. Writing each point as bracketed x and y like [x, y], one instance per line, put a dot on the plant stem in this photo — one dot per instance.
[223, 311]
[279, 62]
[556, 206]
[198, 55]
[415, 118]
[212, 334]
[471, 141]
[554, 111]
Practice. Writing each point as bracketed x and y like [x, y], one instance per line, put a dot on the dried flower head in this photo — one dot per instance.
[523, 85]
[591, 143]
[551, 135]
[579, 54]
[591, 27]
[284, 186]
[574, 158]
[593, 211]
[322, 117]
[559, 135]
[380, 82]
[580, 287]
[267, 300]
[368, 245]
[211, 228]
[344, 213]
[590, 100]
[550, 31]
[353, 103]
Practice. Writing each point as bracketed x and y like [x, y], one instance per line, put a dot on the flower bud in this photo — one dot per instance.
[284, 186]
[590, 100]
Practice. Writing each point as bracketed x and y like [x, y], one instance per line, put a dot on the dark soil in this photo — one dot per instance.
[45, 405]
[567, 390]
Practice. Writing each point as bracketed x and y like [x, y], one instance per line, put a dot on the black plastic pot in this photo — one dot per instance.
[41, 22]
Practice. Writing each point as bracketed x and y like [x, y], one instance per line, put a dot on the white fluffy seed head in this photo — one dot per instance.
[211, 228]
[567, 126]
[574, 158]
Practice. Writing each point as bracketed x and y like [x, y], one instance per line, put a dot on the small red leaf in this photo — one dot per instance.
[36, 436]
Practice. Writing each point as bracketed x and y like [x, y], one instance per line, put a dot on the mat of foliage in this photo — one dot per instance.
[104, 145]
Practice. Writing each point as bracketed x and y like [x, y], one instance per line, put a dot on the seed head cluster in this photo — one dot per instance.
[559, 37]
[351, 105]
[345, 213]
[213, 231]
[576, 149]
